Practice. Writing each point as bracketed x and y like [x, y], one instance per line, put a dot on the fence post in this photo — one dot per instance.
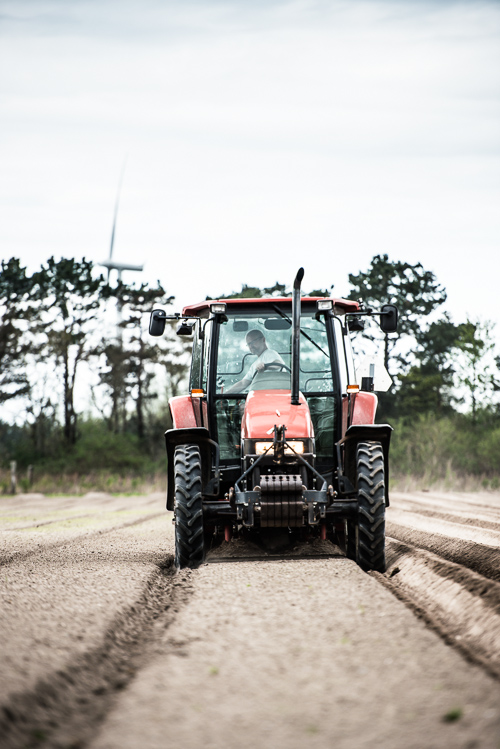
[13, 476]
[30, 476]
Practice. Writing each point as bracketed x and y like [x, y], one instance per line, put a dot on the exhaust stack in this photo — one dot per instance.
[296, 336]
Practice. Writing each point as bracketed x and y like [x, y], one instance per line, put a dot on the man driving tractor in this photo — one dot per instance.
[256, 342]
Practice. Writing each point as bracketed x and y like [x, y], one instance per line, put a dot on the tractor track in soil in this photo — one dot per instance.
[443, 563]
[56, 686]
[7, 558]
[67, 705]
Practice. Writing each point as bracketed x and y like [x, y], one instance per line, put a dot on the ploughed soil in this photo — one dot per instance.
[104, 644]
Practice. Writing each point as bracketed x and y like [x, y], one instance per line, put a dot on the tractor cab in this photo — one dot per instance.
[269, 434]
[224, 359]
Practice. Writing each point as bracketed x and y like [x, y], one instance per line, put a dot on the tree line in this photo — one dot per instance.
[437, 366]
[65, 323]
[443, 403]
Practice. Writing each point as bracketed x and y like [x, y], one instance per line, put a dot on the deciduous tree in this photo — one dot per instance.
[131, 361]
[414, 290]
[70, 296]
[427, 385]
[475, 363]
[17, 312]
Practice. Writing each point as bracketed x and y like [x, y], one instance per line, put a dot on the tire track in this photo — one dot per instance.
[481, 559]
[66, 707]
[489, 503]
[10, 557]
[460, 518]
[453, 585]
[34, 524]
[68, 517]
[461, 605]
[448, 529]
[301, 653]
[444, 564]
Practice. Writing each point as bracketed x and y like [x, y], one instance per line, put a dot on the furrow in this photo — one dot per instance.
[475, 556]
[446, 529]
[72, 702]
[460, 518]
[10, 557]
[463, 606]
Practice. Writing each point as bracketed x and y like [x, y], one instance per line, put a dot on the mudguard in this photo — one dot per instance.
[365, 433]
[358, 409]
[182, 411]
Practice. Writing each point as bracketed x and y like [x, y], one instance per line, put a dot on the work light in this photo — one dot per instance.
[324, 305]
[218, 308]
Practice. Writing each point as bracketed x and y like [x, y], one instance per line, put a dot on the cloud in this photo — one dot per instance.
[260, 135]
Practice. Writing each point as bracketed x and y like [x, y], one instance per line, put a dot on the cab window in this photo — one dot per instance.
[234, 364]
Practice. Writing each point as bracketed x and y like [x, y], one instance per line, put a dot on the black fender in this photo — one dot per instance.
[364, 433]
[209, 451]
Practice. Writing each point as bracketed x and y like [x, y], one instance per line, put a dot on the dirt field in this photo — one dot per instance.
[104, 645]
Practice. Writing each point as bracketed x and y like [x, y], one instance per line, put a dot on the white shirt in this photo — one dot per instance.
[267, 357]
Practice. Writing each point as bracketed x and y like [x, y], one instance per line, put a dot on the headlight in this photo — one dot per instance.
[296, 445]
[261, 447]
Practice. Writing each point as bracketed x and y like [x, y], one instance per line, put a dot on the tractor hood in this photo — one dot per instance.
[266, 408]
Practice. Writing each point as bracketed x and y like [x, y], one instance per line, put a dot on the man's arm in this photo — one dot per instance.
[269, 356]
[238, 387]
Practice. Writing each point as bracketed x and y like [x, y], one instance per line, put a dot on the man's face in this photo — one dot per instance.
[256, 344]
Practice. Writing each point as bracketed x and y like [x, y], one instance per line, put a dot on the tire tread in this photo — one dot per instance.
[189, 546]
[370, 553]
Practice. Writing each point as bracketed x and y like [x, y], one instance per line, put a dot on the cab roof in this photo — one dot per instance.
[193, 310]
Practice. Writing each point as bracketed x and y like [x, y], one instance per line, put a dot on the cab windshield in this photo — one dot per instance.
[264, 337]
[250, 339]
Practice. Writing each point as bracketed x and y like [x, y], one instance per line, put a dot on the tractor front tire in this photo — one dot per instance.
[370, 552]
[189, 536]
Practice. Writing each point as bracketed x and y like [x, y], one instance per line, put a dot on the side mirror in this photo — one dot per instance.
[389, 318]
[157, 322]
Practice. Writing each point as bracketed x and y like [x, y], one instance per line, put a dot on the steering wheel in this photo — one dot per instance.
[274, 364]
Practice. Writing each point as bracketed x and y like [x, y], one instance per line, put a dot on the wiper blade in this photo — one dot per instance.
[280, 312]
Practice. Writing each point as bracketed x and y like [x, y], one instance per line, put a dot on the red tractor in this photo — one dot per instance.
[275, 438]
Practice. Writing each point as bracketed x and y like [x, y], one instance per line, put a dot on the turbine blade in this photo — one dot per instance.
[116, 210]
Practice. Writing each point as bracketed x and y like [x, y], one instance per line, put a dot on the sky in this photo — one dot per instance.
[254, 138]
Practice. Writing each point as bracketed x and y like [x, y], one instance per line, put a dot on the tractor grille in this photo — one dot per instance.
[281, 501]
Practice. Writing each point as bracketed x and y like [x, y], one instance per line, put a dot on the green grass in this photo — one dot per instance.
[76, 484]
[453, 715]
[448, 454]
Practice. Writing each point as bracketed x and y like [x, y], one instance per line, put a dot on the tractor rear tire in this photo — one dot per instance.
[189, 535]
[370, 552]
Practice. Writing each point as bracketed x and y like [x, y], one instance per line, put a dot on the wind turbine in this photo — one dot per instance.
[111, 264]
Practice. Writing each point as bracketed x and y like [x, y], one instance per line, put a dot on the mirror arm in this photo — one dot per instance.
[388, 310]
[368, 312]
[158, 319]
